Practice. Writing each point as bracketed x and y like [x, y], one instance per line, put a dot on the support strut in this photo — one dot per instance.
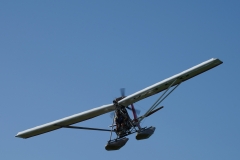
[112, 126]
[86, 128]
[160, 99]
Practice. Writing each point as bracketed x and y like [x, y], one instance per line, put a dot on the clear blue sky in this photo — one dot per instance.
[59, 58]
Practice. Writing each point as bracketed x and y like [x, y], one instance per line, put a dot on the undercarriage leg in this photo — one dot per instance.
[112, 127]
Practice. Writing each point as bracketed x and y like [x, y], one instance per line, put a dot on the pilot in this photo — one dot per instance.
[119, 120]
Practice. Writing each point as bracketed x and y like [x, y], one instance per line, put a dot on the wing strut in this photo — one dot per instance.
[160, 99]
[77, 127]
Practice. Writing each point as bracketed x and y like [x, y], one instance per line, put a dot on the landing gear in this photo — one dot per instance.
[116, 144]
[145, 133]
[126, 126]
[123, 128]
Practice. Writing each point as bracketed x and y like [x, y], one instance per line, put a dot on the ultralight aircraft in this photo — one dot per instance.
[122, 125]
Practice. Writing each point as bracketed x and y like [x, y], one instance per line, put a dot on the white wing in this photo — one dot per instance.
[66, 121]
[149, 91]
[163, 85]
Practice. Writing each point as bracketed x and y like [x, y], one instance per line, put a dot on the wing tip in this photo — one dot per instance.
[18, 135]
[217, 59]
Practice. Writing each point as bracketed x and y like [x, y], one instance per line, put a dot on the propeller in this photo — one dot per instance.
[137, 110]
[122, 91]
